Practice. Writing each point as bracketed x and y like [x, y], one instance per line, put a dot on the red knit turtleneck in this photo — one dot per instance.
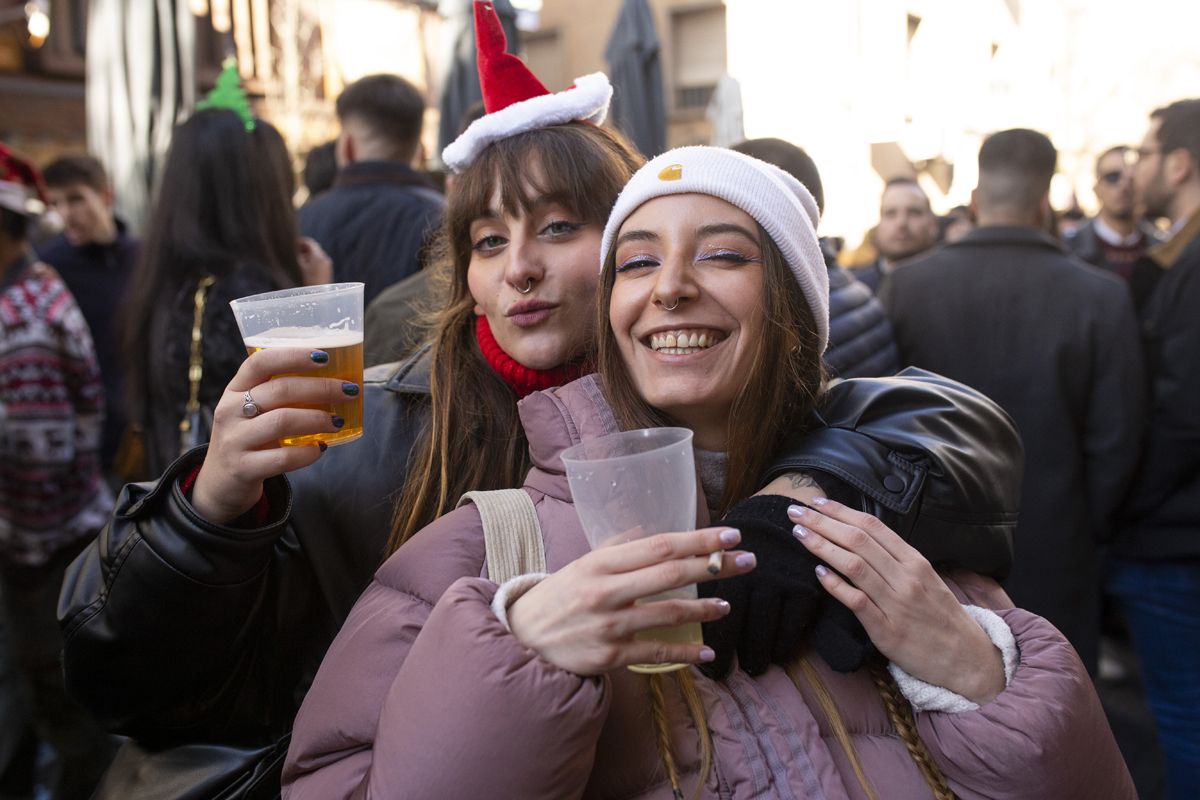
[522, 379]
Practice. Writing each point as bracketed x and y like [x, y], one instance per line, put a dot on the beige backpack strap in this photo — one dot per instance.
[512, 533]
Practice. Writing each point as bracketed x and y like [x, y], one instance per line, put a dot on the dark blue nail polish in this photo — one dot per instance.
[323, 446]
[338, 421]
[350, 389]
[319, 356]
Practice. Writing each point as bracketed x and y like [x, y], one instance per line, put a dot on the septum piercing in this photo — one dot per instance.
[528, 287]
[672, 307]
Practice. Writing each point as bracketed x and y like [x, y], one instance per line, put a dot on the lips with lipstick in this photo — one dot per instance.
[528, 313]
[684, 341]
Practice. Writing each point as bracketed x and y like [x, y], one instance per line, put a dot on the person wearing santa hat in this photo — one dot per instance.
[251, 573]
[52, 497]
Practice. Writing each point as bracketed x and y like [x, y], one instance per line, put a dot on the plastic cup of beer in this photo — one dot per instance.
[327, 317]
[634, 484]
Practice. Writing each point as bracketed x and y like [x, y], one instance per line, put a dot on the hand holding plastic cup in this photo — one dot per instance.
[326, 317]
[635, 484]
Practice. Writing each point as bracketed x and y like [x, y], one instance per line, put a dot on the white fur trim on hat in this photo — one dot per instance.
[586, 101]
[776, 200]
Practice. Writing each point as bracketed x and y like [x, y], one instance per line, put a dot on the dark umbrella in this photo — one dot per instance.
[636, 74]
[140, 78]
[460, 81]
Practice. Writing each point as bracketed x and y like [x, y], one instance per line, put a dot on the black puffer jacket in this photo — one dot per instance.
[861, 342]
[178, 630]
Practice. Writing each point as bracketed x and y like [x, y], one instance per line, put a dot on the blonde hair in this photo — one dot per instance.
[685, 682]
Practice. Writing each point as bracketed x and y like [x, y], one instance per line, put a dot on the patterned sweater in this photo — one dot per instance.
[51, 413]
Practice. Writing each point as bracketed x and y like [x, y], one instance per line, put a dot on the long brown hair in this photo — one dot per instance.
[474, 440]
[786, 376]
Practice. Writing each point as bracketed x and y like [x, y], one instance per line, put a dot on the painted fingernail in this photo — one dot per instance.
[730, 537]
[796, 511]
[319, 356]
[822, 570]
[800, 531]
[745, 560]
[323, 446]
[707, 654]
[820, 501]
[350, 389]
[722, 605]
[337, 421]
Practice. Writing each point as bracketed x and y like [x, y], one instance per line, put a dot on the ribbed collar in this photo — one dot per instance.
[522, 379]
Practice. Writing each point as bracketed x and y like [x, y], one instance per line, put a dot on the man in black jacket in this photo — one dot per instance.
[1054, 342]
[1115, 238]
[95, 257]
[907, 228]
[375, 219]
[1155, 568]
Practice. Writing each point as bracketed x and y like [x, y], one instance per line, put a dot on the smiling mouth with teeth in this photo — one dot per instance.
[684, 342]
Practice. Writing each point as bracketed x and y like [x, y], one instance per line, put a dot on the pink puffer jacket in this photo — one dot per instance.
[424, 694]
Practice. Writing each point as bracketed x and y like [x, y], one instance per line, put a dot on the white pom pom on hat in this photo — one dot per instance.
[515, 100]
[777, 201]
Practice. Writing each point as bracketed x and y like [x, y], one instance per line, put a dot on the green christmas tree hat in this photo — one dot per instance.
[229, 95]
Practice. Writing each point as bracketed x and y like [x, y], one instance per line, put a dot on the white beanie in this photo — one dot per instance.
[777, 201]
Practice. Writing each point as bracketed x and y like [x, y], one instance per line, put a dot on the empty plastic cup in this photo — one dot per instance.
[635, 484]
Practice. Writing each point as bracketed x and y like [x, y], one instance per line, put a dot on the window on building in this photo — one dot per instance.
[698, 55]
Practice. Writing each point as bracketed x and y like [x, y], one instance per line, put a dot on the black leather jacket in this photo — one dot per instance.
[937, 461]
[179, 629]
[176, 629]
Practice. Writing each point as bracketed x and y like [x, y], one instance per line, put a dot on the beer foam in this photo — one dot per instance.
[310, 338]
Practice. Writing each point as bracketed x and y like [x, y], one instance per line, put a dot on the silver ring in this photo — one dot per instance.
[528, 287]
[249, 407]
[672, 308]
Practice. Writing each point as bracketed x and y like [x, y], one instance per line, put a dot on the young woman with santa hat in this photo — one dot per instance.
[203, 610]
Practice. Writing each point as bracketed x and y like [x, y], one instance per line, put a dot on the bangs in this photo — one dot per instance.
[578, 166]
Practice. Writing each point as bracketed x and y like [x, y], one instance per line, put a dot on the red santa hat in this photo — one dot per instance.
[515, 100]
[21, 188]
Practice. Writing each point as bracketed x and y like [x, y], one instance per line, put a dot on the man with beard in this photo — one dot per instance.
[1115, 238]
[907, 228]
[1154, 571]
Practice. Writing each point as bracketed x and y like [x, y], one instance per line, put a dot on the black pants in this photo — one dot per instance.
[83, 750]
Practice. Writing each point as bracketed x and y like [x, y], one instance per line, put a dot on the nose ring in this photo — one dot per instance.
[672, 307]
[528, 287]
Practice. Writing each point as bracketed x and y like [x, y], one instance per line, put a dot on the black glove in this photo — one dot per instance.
[838, 636]
[780, 606]
[771, 607]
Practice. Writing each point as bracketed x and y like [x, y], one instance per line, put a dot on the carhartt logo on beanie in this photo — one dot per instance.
[673, 172]
[777, 201]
